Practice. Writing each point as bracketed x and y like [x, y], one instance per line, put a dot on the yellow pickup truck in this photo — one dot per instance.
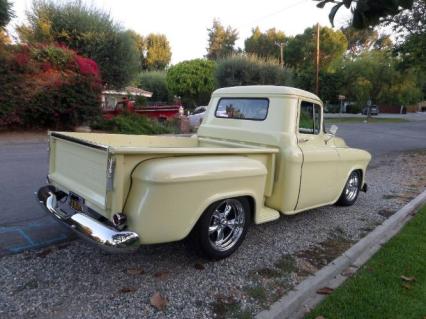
[260, 152]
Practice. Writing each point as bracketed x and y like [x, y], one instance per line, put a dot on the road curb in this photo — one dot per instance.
[304, 297]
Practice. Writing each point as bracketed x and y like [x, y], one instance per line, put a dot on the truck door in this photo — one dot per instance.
[320, 161]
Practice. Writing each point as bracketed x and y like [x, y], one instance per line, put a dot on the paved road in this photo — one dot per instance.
[384, 138]
[23, 167]
[23, 223]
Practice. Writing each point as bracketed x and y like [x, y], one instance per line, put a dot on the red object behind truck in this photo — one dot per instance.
[159, 112]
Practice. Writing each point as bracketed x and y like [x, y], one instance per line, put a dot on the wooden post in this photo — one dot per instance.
[281, 45]
[317, 58]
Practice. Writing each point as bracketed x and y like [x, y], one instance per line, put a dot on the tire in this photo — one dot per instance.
[351, 190]
[214, 236]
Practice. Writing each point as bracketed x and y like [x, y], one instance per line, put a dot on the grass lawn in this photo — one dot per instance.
[337, 120]
[377, 289]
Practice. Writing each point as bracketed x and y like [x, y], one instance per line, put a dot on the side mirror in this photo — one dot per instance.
[331, 133]
[333, 129]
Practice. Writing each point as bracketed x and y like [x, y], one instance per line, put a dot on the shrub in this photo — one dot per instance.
[192, 80]
[89, 31]
[47, 87]
[155, 82]
[250, 70]
[135, 124]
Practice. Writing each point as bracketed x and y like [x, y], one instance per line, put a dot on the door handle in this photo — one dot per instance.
[304, 140]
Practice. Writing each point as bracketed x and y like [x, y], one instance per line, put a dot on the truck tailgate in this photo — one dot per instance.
[80, 168]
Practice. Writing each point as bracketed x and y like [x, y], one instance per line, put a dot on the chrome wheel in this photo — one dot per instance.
[226, 224]
[352, 187]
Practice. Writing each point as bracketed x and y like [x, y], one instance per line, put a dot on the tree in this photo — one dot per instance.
[158, 53]
[89, 31]
[6, 13]
[410, 26]
[140, 47]
[192, 80]
[155, 82]
[221, 41]
[367, 12]
[264, 44]
[300, 51]
[374, 74]
[251, 70]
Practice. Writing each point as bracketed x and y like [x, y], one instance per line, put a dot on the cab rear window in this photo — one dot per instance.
[243, 108]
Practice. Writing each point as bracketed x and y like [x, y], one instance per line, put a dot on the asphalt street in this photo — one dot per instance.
[23, 168]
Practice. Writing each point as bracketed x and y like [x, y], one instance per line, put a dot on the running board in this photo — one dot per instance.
[266, 214]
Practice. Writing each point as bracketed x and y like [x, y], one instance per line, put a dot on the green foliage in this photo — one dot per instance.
[89, 31]
[158, 53]
[55, 55]
[221, 41]
[250, 70]
[377, 290]
[264, 44]
[300, 50]
[367, 12]
[134, 124]
[155, 82]
[375, 75]
[192, 80]
[154, 52]
[6, 13]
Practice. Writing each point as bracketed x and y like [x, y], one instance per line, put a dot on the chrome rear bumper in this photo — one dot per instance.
[87, 227]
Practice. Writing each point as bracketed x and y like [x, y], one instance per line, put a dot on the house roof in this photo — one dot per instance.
[129, 90]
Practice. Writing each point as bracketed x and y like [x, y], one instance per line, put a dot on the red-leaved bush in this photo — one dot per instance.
[47, 86]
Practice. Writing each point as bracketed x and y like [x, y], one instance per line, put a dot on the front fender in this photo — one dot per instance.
[168, 195]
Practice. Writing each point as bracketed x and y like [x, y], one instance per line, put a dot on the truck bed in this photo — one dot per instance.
[144, 144]
[94, 165]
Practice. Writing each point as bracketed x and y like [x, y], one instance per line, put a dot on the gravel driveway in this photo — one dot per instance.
[77, 280]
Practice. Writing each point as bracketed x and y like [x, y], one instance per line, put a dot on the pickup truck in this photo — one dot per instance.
[260, 152]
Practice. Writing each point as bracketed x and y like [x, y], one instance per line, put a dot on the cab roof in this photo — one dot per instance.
[264, 90]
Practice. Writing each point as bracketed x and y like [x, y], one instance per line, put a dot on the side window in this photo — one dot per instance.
[310, 118]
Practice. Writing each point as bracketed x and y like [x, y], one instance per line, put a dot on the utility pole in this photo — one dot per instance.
[281, 46]
[317, 58]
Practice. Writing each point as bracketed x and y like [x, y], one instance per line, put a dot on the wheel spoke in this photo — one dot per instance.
[213, 229]
[227, 210]
[219, 238]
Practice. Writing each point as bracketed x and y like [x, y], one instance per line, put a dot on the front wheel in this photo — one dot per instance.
[351, 191]
[221, 229]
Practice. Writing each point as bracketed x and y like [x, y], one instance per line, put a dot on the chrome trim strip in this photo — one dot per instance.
[87, 227]
[79, 141]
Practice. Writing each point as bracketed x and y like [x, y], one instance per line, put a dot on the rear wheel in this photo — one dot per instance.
[221, 229]
[351, 191]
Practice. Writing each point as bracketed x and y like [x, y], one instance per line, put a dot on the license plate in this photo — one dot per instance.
[76, 202]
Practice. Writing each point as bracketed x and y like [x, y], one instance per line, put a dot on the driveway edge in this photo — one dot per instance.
[304, 296]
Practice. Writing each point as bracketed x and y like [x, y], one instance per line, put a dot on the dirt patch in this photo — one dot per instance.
[386, 213]
[322, 254]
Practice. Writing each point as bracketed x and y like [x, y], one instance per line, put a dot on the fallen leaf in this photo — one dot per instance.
[135, 271]
[325, 291]
[158, 301]
[44, 252]
[199, 266]
[162, 274]
[348, 272]
[409, 279]
[126, 290]
[306, 266]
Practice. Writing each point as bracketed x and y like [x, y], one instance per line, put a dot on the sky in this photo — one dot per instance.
[185, 22]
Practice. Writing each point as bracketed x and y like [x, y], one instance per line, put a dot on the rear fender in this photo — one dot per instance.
[169, 195]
